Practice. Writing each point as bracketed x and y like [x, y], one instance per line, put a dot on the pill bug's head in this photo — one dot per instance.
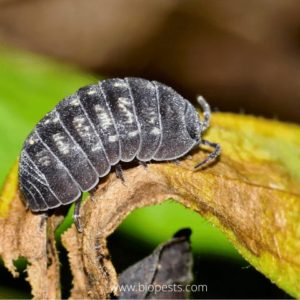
[192, 122]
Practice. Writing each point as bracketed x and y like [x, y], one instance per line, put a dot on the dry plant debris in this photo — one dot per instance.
[155, 276]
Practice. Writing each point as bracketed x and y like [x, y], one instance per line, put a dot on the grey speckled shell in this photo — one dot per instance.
[96, 128]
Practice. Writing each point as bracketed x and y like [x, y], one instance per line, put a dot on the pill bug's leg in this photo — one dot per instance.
[176, 162]
[212, 156]
[44, 218]
[143, 163]
[119, 172]
[206, 112]
[92, 193]
[76, 215]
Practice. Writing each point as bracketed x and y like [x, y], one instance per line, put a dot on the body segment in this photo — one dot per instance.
[61, 144]
[146, 102]
[97, 110]
[175, 139]
[120, 102]
[50, 170]
[79, 126]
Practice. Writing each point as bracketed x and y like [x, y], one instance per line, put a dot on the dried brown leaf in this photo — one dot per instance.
[24, 234]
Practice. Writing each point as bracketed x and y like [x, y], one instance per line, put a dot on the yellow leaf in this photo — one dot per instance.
[8, 191]
[252, 194]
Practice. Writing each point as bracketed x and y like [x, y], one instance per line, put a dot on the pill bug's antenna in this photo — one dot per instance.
[204, 125]
[206, 113]
[211, 157]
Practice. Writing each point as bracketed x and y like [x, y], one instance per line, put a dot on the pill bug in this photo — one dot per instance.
[99, 126]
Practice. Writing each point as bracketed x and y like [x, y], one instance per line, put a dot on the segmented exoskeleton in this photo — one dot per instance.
[99, 126]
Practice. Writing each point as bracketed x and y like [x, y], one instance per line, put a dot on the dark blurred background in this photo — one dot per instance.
[242, 55]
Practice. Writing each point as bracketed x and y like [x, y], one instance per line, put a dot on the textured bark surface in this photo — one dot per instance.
[252, 194]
